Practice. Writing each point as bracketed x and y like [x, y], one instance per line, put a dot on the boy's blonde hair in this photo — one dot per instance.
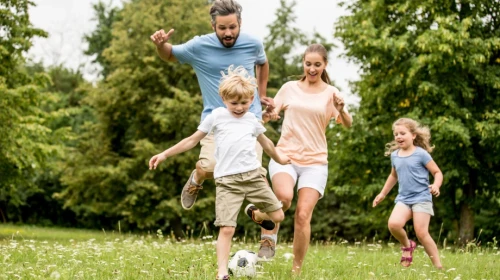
[237, 84]
[422, 139]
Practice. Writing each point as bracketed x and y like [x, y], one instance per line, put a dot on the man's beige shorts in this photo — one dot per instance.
[207, 158]
[231, 190]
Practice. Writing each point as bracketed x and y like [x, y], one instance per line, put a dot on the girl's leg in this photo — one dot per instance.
[399, 216]
[308, 198]
[421, 223]
[224, 249]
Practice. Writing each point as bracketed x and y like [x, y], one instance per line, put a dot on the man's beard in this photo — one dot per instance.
[221, 39]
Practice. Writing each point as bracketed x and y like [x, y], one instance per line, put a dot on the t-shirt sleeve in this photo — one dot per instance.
[261, 54]
[279, 99]
[185, 53]
[259, 128]
[206, 125]
[425, 157]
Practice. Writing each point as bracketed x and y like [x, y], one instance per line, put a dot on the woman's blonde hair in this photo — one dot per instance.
[422, 139]
[237, 84]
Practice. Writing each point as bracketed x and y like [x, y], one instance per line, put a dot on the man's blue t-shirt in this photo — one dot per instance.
[413, 176]
[209, 57]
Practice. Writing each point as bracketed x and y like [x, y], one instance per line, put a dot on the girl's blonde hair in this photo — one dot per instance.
[237, 84]
[422, 139]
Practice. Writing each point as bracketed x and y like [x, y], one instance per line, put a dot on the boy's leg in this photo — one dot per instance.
[223, 250]
[228, 200]
[266, 201]
[204, 170]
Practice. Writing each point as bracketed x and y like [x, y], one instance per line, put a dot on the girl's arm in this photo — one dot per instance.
[184, 145]
[268, 147]
[389, 184]
[438, 177]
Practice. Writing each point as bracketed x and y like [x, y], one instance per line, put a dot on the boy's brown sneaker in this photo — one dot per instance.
[190, 192]
[267, 248]
[266, 224]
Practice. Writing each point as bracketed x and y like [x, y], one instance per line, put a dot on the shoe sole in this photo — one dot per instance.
[265, 224]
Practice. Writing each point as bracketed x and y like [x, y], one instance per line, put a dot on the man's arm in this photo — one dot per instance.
[163, 48]
[262, 73]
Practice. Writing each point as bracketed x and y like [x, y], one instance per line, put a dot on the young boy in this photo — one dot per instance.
[236, 173]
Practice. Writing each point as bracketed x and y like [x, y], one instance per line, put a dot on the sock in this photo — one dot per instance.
[194, 182]
[273, 237]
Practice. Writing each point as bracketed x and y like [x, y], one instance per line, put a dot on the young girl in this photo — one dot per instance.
[411, 164]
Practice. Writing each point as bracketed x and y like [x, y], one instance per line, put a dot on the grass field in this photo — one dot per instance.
[43, 253]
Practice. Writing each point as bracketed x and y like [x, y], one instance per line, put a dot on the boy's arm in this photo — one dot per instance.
[438, 177]
[268, 147]
[184, 145]
[389, 184]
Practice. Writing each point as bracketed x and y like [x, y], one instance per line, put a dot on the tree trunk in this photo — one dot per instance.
[466, 233]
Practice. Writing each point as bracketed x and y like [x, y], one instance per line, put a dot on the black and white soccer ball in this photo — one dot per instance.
[243, 263]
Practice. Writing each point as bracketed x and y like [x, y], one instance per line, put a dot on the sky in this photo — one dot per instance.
[67, 21]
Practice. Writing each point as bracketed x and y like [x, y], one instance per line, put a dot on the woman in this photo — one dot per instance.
[309, 104]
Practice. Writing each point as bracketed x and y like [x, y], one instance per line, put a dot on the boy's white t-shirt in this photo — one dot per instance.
[235, 140]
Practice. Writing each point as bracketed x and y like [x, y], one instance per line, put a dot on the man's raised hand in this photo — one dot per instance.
[160, 37]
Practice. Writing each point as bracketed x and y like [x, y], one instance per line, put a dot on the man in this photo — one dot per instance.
[210, 54]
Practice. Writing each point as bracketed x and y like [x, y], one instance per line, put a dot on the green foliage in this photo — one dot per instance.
[25, 142]
[282, 44]
[437, 62]
[101, 37]
[143, 106]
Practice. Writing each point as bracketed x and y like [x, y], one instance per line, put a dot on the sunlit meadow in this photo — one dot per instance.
[32, 252]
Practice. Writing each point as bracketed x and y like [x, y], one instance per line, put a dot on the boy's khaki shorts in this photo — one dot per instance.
[207, 158]
[231, 190]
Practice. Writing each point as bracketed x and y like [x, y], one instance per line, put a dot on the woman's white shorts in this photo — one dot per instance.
[314, 176]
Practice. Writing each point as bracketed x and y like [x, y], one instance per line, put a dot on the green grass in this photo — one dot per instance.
[43, 253]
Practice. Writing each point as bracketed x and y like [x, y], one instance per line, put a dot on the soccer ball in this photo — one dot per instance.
[242, 263]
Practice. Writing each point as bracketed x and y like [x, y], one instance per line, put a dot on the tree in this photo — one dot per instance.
[65, 116]
[25, 143]
[437, 62]
[101, 37]
[143, 106]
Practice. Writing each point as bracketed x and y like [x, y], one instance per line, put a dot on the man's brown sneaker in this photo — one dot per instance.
[267, 248]
[190, 192]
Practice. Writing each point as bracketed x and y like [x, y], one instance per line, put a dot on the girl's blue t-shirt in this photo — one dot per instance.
[209, 58]
[413, 176]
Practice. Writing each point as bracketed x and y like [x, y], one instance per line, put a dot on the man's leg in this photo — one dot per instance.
[204, 170]
[283, 187]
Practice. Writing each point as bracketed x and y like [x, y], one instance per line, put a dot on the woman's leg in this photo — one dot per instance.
[223, 249]
[307, 200]
[421, 224]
